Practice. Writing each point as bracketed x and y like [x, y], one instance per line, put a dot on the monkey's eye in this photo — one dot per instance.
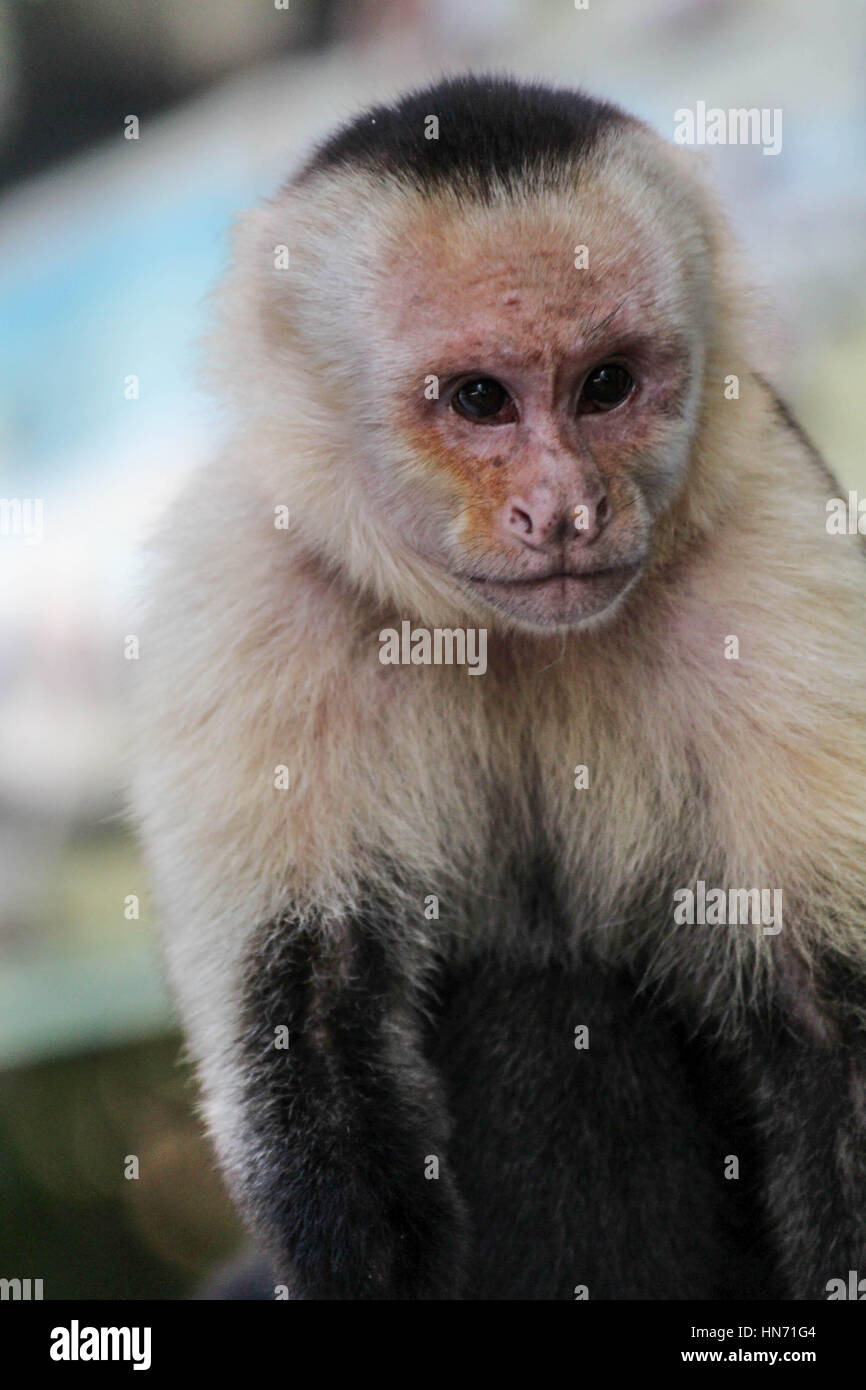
[605, 388]
[484, 400]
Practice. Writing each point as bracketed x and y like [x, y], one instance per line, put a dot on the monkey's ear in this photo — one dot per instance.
[251, 319]
[693, 172]
[267, 246]
[739, 301]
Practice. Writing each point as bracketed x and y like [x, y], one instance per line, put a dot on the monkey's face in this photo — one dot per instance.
[551, 401]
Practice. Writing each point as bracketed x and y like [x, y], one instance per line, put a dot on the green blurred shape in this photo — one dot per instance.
[55, 1005]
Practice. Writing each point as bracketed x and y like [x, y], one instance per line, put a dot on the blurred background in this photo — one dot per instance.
[108, 246]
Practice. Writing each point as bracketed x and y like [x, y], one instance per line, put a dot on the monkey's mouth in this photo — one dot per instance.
[559, 598]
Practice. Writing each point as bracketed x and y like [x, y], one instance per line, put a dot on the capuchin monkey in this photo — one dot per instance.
[502, 735]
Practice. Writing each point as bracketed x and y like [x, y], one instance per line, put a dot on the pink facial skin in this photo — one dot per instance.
[553, 497]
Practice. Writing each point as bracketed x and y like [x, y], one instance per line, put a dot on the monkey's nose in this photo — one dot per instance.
[541, 520]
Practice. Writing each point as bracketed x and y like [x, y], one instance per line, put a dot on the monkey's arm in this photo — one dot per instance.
[811, 1093]
[344, 1122]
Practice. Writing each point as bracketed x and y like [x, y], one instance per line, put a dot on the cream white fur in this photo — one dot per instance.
[259, 648]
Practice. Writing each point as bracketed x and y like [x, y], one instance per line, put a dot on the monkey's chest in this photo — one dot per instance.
[586, 1140]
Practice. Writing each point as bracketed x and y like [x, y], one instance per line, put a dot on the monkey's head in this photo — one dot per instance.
[484, 350]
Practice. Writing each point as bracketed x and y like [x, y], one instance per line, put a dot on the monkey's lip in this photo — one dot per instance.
[557, 599]
[553, 579]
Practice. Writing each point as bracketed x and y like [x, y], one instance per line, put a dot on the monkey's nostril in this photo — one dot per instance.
[602, 511]
[520, 520]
